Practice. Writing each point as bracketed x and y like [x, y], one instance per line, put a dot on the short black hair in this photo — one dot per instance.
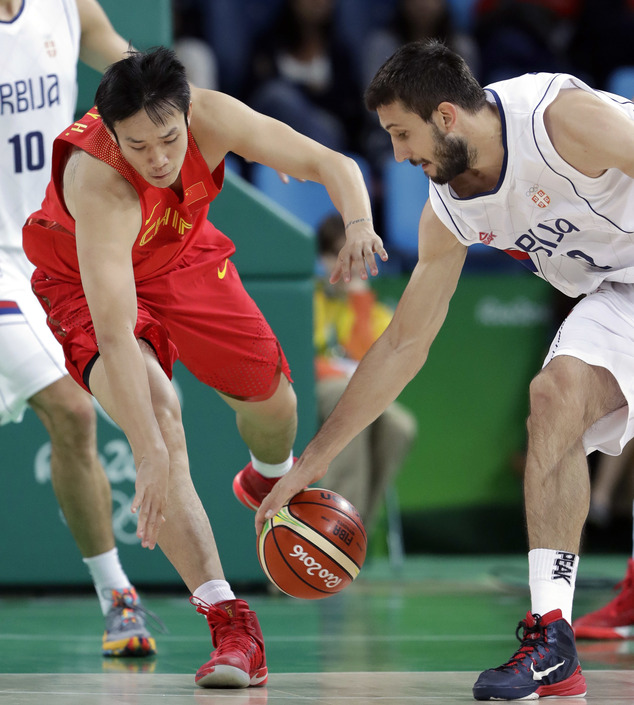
[154, 81]
[421, 75]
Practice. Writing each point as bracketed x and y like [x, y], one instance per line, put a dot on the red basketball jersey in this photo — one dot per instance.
[170, 226]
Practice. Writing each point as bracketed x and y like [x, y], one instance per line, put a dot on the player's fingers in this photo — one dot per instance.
[152, 528]
[278, 497]
[259, 520]
[338, 271]
[381, 251]
[271, 505]
[155, 518]
[141, 506]
[140, 527]
[136, 502]
[370, 263]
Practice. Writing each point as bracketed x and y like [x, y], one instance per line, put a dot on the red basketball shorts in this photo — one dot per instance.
[199, 313]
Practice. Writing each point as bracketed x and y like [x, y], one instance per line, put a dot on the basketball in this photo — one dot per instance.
[314, 546]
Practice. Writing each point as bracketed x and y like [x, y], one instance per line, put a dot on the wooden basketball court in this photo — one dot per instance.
[418, 635]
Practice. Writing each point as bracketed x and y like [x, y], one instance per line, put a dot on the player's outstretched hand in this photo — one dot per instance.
[150, 500]
[357, 256]
[301, 475]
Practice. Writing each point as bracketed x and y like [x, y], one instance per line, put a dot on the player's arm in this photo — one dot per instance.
[393, 360]
[100, 44]
[590, 134]
[108, 217]
[223, 124]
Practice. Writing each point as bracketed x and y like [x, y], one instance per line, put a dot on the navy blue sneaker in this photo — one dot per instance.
[546, 664]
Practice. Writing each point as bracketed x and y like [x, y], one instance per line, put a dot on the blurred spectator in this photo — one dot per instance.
[348, 319]
[413, 19]
[602, 41]
[190, 45]
[301, 73]
[416, 19]
[524, 36]
[612, 492]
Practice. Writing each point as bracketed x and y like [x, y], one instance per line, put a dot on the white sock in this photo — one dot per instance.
[214, 591]
[272, 470]
[551, 578]
[107, 574]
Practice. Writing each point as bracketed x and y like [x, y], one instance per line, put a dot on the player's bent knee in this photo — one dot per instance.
[280, 407]
[67, 411]
[543, 396]
[559, 384]
[558, 400]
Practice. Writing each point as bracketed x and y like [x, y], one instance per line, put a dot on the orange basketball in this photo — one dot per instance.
[314, 546]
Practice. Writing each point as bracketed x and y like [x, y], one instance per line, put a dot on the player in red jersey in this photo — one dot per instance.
[132, 275]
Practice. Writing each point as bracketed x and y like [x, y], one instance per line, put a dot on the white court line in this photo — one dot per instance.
[351, 638]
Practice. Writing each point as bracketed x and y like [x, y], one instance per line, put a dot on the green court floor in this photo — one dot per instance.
[436, 614]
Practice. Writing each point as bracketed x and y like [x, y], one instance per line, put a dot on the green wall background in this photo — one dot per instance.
[459, 490]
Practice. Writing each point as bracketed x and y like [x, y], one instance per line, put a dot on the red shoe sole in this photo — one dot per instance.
[242, 496]
[587, 632]
[575, 685]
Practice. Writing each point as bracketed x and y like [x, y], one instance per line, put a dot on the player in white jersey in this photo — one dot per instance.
[543, 167]
[41, 42]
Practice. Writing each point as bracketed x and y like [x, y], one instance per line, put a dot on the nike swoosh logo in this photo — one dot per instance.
[538, 675]
[223, 271]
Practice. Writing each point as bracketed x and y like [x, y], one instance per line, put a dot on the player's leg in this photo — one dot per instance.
[567, 397]
[79, 481]
[581, 401]
[268, 427]
[224, 340]
[187, 540]
[32, 371]
[185, 537]
[83, 492]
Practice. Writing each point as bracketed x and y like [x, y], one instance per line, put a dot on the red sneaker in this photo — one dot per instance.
[250, 487]
[239, 660]
[546, 664]
[616, 619]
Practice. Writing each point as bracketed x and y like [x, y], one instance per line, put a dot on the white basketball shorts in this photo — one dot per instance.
[600, 331]
[30, 357]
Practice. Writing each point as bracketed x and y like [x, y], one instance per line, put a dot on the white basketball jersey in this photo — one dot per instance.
[39, 50]
[570, 229]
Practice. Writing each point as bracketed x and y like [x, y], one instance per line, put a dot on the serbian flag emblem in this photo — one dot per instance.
[9, 307]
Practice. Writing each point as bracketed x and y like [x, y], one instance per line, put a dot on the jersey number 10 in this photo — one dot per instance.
[32, 156]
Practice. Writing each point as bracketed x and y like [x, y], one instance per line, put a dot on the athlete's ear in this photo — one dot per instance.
[188, 115]
[447, 116]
